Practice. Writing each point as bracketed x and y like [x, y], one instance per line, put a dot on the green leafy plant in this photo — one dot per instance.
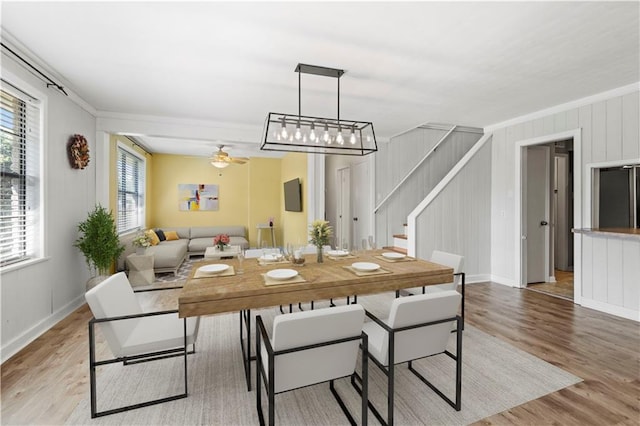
[99, 240]
[320, 233]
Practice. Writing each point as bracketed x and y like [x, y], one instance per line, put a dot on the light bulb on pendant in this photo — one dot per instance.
[284, 130]
[325, 137]
[312, 135]
[339, 137]
[368, 138]
[352, 138]
[304, 138]
[298, 133]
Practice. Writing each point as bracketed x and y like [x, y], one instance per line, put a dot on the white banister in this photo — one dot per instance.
[413, 216]
[431, 151]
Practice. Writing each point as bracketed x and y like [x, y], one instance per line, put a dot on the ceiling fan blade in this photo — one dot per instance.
[238, 160]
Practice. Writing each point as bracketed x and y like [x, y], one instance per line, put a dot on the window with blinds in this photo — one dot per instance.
[131, 172]
[20, 176]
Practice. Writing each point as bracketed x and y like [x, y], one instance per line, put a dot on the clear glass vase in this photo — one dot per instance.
[319, 258]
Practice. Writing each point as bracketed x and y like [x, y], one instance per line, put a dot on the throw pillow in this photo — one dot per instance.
[171, 235]
[154, 238]
[160, 234]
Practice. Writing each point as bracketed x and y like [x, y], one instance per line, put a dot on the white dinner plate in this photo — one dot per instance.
[282, 274]
[271, 257]
[365, 266]
[337, 253]
[393, 255]
[213, 269]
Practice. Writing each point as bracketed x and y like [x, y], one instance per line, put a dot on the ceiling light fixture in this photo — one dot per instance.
[219, 164]
[362, 140]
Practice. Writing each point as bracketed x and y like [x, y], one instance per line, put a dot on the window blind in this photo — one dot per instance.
[20, 177]
[131, 172]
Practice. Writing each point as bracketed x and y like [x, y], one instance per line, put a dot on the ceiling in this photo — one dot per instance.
[473, 64]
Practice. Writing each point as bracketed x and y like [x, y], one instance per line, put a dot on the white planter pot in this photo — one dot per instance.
[141, 250]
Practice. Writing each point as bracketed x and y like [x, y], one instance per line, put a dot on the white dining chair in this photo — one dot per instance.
[454, 261]
[417, 327]
[307, 348]
[134, 336]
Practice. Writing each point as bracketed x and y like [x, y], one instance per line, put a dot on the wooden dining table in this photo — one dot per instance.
[331, 279]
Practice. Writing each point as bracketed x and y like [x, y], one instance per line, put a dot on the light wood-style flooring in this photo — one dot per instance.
[43, 383]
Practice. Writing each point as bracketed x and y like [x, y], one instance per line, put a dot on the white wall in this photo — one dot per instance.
[458, 220]
[37, 296]
[610, 132]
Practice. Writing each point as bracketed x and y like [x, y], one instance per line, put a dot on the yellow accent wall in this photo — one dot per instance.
[171, 170]
[295, 226]
[265, 194]
[249, 194]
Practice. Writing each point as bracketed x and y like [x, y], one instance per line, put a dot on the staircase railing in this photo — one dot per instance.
[416, 167]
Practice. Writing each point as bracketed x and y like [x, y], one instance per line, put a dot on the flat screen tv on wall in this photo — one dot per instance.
[293, 196]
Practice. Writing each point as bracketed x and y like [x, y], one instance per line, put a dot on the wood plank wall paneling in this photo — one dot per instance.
[631, 274]
[610, 132]
[397, 158]
[631, 128]
[458, 219]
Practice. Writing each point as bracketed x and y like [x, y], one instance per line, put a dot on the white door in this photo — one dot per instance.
[343, 215]
[361, 203]
[537, 187]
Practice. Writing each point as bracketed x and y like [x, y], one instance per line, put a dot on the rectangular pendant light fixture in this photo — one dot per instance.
[317, 135]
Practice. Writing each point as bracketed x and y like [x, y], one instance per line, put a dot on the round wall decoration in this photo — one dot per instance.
[78, 149]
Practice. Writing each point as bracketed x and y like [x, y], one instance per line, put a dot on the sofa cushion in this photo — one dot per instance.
[182, 232]
[212, 231]
[153, 236]
[160, 234]
[171, 236]
[168, 254]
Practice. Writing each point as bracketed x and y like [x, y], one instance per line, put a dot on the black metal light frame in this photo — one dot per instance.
[363, 131]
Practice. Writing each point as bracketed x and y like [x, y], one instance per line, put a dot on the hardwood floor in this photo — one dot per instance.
[563, 287]
[43, 383]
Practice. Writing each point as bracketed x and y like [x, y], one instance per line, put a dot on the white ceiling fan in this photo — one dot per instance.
[221, 159]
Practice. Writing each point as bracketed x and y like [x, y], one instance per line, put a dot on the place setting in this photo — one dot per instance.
[214, 270]
[282, 276]
[340, 254]
[271, 258]
[363, 269]
[394, 256]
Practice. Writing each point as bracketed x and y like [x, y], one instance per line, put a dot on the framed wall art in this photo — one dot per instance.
[197, 197]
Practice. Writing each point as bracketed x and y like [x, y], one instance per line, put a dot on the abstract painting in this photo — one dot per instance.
[195, 197]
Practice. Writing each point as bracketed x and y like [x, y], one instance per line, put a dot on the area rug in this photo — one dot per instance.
[496, 377]
[181, 276]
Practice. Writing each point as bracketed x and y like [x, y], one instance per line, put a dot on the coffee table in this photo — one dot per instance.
[214, 253]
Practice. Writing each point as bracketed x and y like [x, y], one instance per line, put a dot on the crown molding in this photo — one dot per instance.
[20, 48]
[619, 91]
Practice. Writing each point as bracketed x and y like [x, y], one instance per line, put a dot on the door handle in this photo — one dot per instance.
[355, 219]
[544, 223]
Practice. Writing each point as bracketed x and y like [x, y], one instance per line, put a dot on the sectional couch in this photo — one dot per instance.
[192, 241]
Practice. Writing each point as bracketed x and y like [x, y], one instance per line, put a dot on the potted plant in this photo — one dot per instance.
[319, 235]
[99, 243]
[141, 242]
[221, 241]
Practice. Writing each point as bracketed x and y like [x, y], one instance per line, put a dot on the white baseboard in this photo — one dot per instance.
[504, 281]
[478, 278]
[618, 311]
[18, 343]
